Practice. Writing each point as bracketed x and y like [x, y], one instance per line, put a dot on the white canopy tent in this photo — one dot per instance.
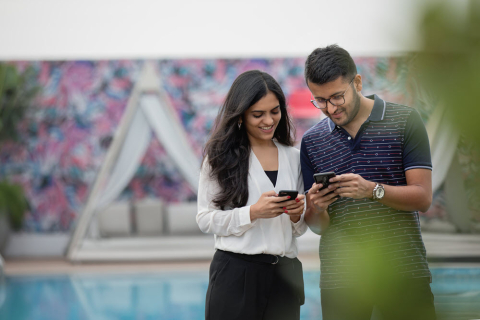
[148, 110]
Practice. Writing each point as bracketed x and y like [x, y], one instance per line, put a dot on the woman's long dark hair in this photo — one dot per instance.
[228, 149]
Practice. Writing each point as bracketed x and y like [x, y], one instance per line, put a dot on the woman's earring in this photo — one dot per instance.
[239, 125]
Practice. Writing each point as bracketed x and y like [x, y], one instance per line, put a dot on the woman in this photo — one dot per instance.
[249, 158]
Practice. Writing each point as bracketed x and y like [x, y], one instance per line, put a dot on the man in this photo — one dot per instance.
[371, 249]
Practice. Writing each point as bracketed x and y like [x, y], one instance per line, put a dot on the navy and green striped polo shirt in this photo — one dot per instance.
[365, 237]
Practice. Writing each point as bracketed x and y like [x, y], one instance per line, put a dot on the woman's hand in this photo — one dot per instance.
[294, 208]
[269, 205]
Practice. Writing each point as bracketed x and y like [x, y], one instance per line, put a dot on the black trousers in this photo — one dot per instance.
[248, 287]
[410, 299]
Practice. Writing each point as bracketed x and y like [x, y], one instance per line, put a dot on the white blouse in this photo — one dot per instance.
[233, 229]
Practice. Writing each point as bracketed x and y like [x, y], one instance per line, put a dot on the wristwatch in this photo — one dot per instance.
[378, 192]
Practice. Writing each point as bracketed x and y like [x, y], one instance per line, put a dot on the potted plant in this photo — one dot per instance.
[13, 206]
[16, 94]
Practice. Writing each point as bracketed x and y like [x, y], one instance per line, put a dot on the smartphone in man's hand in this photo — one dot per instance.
[323, 178]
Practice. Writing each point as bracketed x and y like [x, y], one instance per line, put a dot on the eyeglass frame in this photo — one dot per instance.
[338, 95]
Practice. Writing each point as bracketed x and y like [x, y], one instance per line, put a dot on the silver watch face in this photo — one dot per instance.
[379, 193]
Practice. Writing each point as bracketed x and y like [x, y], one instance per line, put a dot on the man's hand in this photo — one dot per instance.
[352, 185]
[318, 199]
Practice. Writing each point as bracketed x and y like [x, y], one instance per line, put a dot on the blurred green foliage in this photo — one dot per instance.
[449, 63]
[17, 91]
[13, 202]
[448, 67]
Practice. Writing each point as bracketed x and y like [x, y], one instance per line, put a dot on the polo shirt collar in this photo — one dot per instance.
[378, 111]
[377, 114]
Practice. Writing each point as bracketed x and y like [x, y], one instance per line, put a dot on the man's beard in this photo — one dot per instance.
[352, 114]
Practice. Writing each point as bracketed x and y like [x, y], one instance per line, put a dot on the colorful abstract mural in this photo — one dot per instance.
[65, 139]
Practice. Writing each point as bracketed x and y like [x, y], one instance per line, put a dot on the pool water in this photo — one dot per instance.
[181, 296]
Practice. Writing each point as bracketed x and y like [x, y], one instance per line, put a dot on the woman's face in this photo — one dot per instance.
[262, 118]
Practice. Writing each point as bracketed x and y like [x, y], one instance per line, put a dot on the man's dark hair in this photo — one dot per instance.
[327, 64]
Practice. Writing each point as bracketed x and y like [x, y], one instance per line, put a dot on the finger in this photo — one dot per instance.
[288, 203]
[277, 212]
[291, 202]
[336, 178]
[332, 201]
[326, 191]
[281, 199]
[299, 203]
[331, 196]
[315, 187]
[292, 208]
[270, 193]
[326, 202]
[296, 206]
[343, 177]
[299, 198]
[320, 193]
[343, 184]
[333, 186]
[298, 210]
[326, 197]
[317, 197]
[293, 212]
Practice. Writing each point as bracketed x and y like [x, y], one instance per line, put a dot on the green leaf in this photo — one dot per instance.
[13, 203]
[17, 91]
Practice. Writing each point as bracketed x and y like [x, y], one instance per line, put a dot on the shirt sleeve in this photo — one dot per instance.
[211, 219]
[307, 168]
[300, 227]
[416, 148]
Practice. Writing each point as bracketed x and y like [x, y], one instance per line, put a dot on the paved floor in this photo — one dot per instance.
[62, 266]
[440, 247]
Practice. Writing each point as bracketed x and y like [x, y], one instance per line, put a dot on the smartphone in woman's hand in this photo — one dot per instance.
[292, 193]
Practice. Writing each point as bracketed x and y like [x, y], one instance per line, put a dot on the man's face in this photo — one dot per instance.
[344, 114]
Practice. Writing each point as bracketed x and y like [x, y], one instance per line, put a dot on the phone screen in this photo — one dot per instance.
[323, 178]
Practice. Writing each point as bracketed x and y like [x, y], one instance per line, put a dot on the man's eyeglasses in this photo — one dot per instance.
[336, 101]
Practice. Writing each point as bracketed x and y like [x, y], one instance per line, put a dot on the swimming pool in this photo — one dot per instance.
[181, 296]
